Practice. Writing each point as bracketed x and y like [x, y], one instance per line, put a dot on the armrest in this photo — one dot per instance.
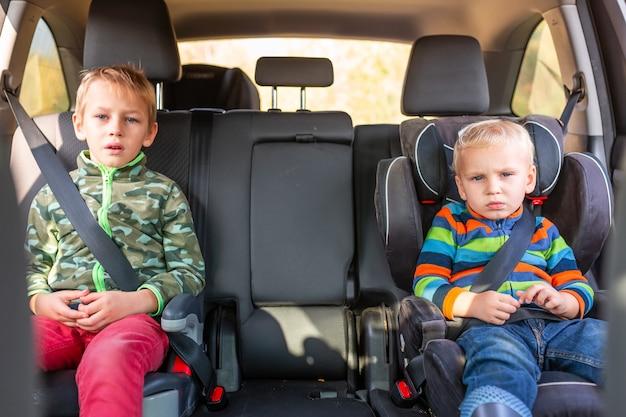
[183, 314]
[419, 322]
[378, 344]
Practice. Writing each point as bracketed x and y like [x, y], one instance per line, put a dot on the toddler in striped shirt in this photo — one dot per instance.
[494, 170]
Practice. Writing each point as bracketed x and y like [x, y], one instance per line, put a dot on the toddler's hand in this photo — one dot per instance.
[489, 306]
[55, 305]
[559, 303]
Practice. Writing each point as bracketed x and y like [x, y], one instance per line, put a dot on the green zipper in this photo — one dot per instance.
[97, 273]
[103, 220]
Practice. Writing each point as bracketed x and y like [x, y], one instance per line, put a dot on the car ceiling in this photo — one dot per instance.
[497, 24]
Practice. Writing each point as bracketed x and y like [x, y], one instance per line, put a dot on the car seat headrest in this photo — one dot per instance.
[430, 143]
[293, 72]
[209, 86]
[137, 32]
[445, 76]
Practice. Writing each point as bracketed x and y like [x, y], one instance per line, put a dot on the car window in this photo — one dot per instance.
[368, 74]
[43, 88]
[539, 88]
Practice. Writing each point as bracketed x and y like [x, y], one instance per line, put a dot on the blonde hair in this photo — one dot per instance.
[126, 77]
[489, 133]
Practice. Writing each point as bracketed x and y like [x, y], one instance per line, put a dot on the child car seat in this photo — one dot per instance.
[572, 190]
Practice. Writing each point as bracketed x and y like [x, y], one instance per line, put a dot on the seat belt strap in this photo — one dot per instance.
[569, 107]
[72, 203]
[504, 261]
[98, 242]
[498, 269]
[186, 348]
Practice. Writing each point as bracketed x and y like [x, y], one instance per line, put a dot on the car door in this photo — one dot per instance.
[16, 358]
[609, 21]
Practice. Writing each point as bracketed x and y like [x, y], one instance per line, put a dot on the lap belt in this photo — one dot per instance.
[98, 242]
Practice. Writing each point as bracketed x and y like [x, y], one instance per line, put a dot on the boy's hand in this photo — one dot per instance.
[104, 308]
[559, 303]
[489, 306]
[55, 305]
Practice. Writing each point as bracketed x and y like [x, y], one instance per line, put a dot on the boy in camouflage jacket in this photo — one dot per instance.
[110, 338]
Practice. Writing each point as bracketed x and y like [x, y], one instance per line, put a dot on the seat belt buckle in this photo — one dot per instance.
[402, 394]
[215, 398]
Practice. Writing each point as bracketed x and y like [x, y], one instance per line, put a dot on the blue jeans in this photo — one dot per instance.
[511, 357]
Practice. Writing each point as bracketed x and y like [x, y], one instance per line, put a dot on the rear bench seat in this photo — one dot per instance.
[272, 198]
[282, 249]
[273, 206]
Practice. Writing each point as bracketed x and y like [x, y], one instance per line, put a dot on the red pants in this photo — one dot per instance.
[111, 364]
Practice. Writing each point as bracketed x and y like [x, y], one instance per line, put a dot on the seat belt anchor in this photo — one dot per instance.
[8, 83]
[579, 85]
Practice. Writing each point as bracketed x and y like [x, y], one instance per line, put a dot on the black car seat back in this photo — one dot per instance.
[210, 86]
[282, 249]
[282, 184]
[372, 143]
[412, 188]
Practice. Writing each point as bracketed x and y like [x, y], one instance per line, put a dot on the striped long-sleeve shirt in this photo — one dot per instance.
[460, 243]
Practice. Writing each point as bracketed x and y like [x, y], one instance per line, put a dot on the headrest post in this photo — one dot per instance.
[274, 97]
[159, 95]
[302, 98]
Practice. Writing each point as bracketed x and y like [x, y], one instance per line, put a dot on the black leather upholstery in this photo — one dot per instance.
[317, 334]
[232, 162]
[169, 155]
[445, 76]
[294, 72]
[310, 256]
[373, 143]
[582, 207]
[293, 398]
[209, 86]
[137, 32]
[282, 246]
[292, 187]
[399, 218]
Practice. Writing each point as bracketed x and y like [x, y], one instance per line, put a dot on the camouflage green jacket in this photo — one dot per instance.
[145, 213]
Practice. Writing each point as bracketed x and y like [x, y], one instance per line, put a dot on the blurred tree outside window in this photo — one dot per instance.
[539, 88]
[368, 75]
[43, 88]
